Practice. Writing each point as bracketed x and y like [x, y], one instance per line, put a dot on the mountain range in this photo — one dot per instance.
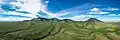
[55, 29]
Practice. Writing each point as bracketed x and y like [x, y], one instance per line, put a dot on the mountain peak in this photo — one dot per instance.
[94, 20]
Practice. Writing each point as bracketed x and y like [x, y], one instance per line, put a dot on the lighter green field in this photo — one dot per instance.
[59, 30]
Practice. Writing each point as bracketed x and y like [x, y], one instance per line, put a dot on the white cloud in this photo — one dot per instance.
[44, 9]
[115, 9]
[81, 9]
[1, 10]
[77, 10]
[13, 19]
[97, 11]
[31, 6]
[46, 1]
[21, 14]
[82, 17]
[58, 14]
[110, 9]
[110, 19]
[114, 15]
[1, 1]
[118, 14]
[51, 14]
[34, 6]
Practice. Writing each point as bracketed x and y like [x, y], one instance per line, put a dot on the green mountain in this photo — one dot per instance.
[55, 29]
[93, 20]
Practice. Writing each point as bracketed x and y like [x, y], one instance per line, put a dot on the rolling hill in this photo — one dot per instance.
[55, 29]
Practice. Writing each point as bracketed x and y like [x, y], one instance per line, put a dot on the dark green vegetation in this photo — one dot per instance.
[54, 29]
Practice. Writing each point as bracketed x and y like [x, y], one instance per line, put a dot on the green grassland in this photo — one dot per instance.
[59, 30]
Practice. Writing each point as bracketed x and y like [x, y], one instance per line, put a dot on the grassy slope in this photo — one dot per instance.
[52, 30]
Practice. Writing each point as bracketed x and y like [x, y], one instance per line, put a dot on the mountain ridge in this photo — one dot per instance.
[56, 19]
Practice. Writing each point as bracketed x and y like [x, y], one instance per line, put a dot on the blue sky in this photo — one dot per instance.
[78, 10]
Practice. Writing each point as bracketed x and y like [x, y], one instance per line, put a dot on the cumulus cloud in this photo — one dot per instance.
[31, 6]
[95, 9]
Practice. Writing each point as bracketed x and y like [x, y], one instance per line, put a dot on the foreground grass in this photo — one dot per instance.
[58, 30]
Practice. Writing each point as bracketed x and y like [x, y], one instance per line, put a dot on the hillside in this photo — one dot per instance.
[55, 29]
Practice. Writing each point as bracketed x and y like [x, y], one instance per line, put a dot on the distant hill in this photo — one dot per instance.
[93, 20]
[45, 19]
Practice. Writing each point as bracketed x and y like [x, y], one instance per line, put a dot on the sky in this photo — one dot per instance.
[78, 10]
